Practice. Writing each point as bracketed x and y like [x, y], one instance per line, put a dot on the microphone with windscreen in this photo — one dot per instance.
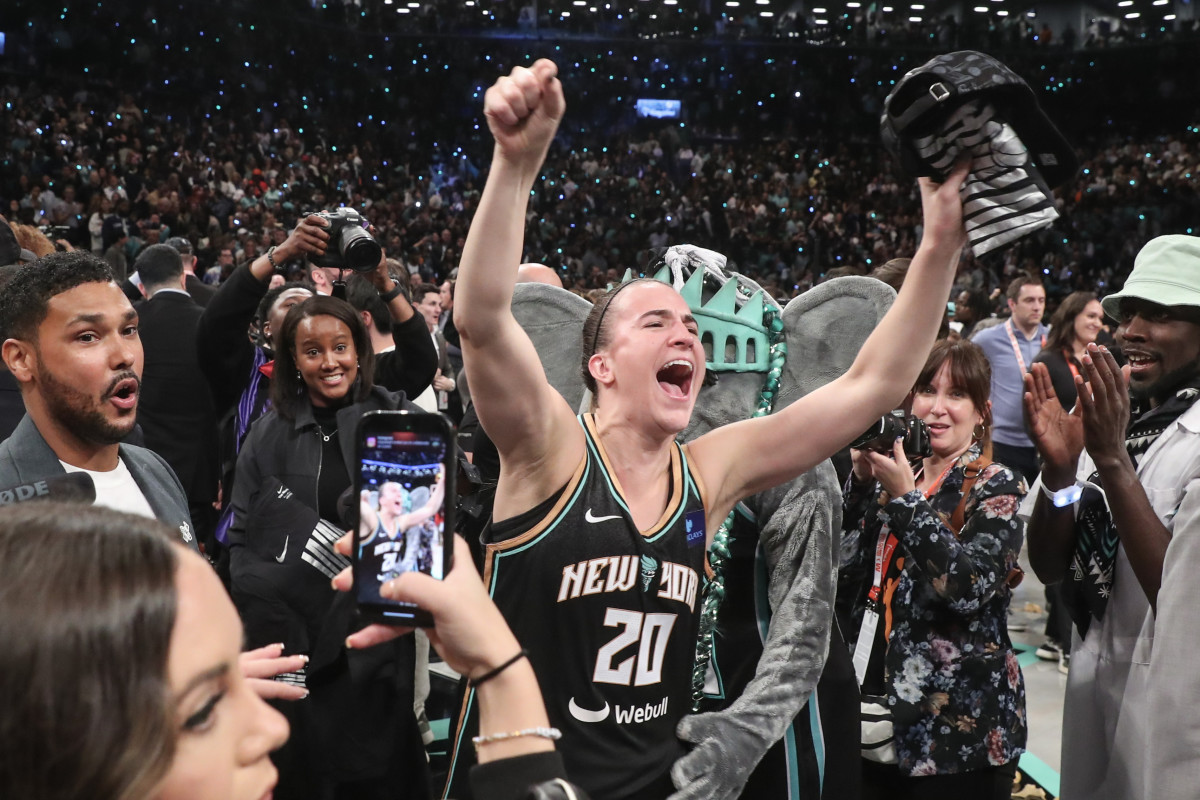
[74, 487]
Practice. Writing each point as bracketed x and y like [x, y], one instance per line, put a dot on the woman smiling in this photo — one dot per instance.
[928, 561]
[292, 471]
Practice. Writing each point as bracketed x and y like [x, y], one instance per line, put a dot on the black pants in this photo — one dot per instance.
[884, 782]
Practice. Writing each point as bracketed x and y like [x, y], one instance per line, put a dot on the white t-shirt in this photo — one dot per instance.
[116, 489]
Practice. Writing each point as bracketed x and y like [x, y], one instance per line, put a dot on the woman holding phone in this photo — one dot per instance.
[598, 537]
[120, 676]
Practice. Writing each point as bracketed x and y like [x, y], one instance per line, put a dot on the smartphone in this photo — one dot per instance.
[405, 490]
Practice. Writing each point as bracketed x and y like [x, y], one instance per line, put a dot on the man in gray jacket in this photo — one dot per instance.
[70, 338]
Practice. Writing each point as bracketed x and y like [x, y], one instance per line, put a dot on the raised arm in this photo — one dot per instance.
[747, 457]
[533, 429]
[431, 507]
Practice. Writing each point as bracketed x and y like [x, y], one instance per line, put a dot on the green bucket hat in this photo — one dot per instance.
[1166, 271]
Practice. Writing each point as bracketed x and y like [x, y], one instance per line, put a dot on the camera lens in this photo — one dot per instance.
[359, 249]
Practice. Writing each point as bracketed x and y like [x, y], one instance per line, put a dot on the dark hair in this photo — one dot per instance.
[87, 609]
[452, 282]
[268, 301]
[363, 295]
[1062, 324]
[288, 391]
[595, 335]
[970, 371]
[159, 265]
[25, 300]
[422, 290]
[978, 304]
[1019, 282]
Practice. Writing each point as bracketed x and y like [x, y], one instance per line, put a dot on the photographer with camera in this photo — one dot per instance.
[239, 369]
[929, 560]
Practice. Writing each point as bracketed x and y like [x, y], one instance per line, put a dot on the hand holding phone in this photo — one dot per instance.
[403, 477]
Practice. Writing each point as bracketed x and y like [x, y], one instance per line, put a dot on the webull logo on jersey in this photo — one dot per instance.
[620, 574]
[624, 714]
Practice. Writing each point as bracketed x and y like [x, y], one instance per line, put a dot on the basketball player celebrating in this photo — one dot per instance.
[379, 530]
[596, 550]
[391, 520]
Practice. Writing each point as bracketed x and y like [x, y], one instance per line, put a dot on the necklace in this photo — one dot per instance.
[325, 436]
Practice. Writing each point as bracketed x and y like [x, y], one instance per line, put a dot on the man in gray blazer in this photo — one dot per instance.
[70, 339]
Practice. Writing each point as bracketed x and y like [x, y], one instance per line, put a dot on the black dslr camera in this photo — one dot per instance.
[881, 437]
[350, 245]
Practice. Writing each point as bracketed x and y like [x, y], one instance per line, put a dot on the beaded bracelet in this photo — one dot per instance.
[271, 259]
[553, 734]
[487, 676]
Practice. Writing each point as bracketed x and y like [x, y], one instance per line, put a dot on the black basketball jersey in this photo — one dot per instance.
[609, 615]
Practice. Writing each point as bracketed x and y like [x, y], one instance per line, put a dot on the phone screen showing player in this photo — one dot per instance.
[403, 482]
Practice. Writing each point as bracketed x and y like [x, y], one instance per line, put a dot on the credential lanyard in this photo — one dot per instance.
[1012, 338]
[885, 548]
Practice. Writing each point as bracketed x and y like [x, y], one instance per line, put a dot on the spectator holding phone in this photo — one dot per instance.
[148, 697]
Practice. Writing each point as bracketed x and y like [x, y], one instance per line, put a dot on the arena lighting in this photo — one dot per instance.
[981, 9]
[917, 7]
[820, 22]
[1124, 3]
[1160, 2]
[853, 5]
[762, 2]
[579, 2]
[887, 9]
[1169, 16]
[1134, 15]
[914, 19]
[732, 4]
[1002, 13]
[766, 14]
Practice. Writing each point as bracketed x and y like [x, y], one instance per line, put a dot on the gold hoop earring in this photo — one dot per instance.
[978, 432]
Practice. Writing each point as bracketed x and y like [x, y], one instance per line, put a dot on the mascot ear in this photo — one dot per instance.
[553, 320]
[826, 327]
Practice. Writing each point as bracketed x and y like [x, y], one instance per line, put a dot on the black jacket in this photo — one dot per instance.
[175, 409]
[359, 713]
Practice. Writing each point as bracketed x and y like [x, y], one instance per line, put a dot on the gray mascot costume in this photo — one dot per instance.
[777, 720]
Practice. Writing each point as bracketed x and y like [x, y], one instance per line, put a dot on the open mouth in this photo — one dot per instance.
[124, 395]
[675, 378]
[333, 380]
[1140, 362]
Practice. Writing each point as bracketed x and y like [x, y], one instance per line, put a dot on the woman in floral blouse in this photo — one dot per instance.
[939, 656]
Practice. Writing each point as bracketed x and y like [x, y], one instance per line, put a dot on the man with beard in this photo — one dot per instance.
[70, 338]
[1117, 520]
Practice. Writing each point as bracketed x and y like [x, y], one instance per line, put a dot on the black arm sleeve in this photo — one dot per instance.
[222, 347]
[410, 367]
[528, 777]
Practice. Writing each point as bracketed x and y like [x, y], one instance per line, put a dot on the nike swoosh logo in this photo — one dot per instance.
[584, 715]
[592, 518]
[281, 556]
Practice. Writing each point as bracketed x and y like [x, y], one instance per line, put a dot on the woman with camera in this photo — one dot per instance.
[928, 561]
[120, 678]
[288, 510]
